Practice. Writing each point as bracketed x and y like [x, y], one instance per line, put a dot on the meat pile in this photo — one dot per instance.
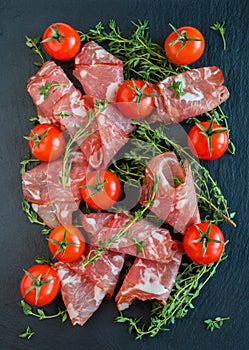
[156, 262]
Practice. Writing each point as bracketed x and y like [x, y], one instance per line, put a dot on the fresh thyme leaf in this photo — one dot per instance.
[27, 162]
[34, 45]
[31, 214]
[177, 88]
[79, 134]
[221, 30]
[217, 323]
[27, 334]
[40, 313]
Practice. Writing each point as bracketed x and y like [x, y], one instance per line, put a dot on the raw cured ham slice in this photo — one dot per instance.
[105, 140]
[203, 91]
[143, 239]
[148, 280]
[48, 85]
[41, 184]
[58, 213]
[70, 112]
[81, 297]
[104, 273]
[99, 72]
[174, 205]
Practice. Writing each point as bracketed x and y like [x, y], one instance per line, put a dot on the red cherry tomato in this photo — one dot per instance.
[46, 142]
[66, 243]
[184, 45]
[101, 189]
[204, 243]
[135, 99]
[61, 41]
[39, 285]
[208, 143]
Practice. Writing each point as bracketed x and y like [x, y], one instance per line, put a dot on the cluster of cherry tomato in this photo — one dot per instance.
[203, 243]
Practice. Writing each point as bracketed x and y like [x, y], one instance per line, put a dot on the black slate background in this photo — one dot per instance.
[227, 293]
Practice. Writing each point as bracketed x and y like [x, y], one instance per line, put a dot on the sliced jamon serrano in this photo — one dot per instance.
[143, 239]
[41, 184]
[148, 280]
[99, 72]
[81, 296]
[174, 204]
[202, 91]
[104, 273]
[105, 140]
[58, 213]
[48, 85]
[70, 111]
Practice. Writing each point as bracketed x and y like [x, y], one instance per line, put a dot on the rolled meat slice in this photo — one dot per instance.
[201, 91]
[46, 87]
[175, 201]
[142, 239]
[148, 280]
[99, 72]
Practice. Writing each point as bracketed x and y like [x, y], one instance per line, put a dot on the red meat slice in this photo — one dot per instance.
[56, 214]
[70, 112]
[174, 205]
[143, 239]
[99, 72]
[41, 184]
[105, 140]
[203, 91]
[104, 272]
[81, 296]
[148, 280]
[52, 74]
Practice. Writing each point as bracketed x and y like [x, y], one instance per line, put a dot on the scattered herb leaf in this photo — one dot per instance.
[217, 323]
[27, 334]
[221, 29]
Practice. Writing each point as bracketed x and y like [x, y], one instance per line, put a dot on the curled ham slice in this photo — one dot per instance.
[104, 273]
[157, 242]
[41, 184]
[49, 73]
[80, 296]
[148, 280]
[203, 92]
[84, 288]
[56, 214]
[175, 205]
[99, 72]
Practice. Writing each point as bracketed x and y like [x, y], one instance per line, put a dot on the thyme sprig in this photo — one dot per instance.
[95, 254]
[217, 323]
[27, 334]
[219, 27]
[79, 134]
[40, 313]
[188, 285]
[34, 44]
[140, 55]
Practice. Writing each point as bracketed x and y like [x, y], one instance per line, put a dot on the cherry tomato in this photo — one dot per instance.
[61, 41]
[46, 142]
[66, 243]
[208, 141]
[39, 285]
[204, 243]
[180, 46]
[135, 99]
[101, 189]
